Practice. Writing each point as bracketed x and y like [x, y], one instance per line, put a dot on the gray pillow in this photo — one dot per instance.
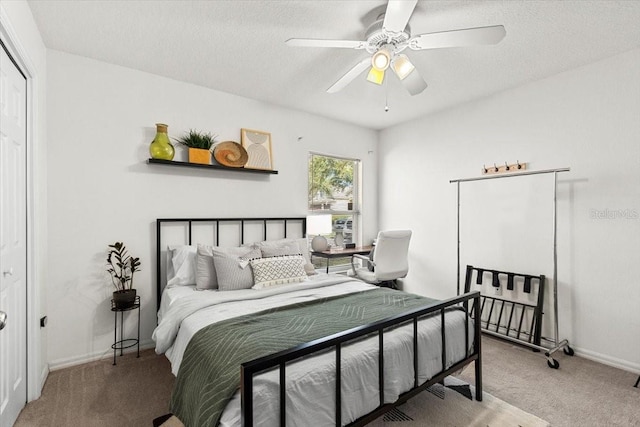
[232, 267]
[205, 269]
[291, 248]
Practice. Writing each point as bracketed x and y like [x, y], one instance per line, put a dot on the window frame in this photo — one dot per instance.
[355, 213]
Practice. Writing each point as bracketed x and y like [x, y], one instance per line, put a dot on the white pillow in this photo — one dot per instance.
[278, 270]
[183, 262]
[303, 248]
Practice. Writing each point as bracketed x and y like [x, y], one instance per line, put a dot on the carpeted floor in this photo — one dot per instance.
[580, 393]
[133, 393]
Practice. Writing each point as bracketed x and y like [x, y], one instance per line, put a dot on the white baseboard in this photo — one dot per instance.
[92, 357]
[625, 365]
[43, 375]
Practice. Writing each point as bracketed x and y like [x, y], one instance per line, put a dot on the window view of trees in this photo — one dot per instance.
[333, 189]
[331, 183]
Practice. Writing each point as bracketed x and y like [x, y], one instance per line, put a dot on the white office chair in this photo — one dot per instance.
[390, 259]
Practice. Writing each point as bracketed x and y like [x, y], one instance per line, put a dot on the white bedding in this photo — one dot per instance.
[311, 381]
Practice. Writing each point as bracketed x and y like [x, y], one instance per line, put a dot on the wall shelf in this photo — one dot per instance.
[200, 166]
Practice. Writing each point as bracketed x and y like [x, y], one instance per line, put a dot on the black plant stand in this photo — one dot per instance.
[129, 342]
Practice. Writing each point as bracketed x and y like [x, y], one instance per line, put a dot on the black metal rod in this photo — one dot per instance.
[533, 324]
[466, 326]
[484, 299]
[521, 319]
[338, 386]
[115, 335]
[538, 311]
[246, 398]
[381, 365]
[513, 306]
[415, 352]
[138, 301]
[121, 332]
[443, 335]
[499, 316]
[158, 266]
[477, 351]
[283, 395]
[493, 301]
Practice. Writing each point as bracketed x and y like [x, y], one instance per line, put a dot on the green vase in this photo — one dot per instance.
[161, 147]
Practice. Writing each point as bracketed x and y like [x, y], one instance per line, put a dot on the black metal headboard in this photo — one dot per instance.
[272, 229]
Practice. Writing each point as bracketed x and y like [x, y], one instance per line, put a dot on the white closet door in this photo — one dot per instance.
[13, 242]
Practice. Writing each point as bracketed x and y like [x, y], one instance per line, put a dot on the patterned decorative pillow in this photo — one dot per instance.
[232, 267]
[278, 270]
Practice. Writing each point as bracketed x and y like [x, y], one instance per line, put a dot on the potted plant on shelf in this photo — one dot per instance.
[199, 144]
[121, 266]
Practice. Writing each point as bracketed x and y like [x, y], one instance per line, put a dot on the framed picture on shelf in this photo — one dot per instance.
[258, 146]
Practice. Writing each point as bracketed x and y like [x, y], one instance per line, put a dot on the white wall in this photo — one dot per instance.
[101, 121]
[587, 119]
[20, 35]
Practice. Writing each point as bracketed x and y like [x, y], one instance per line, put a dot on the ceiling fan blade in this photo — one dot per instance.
[414, 83]
[397, 15]
[351, 74]
[455, 38]
[346, 44]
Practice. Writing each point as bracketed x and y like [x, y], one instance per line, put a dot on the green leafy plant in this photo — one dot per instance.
[121, 266]
[195, 139]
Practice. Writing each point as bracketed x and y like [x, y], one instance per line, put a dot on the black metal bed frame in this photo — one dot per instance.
[249, 369]
[217, 221]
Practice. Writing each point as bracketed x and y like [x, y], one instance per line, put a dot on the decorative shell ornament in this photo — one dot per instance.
[231, 154]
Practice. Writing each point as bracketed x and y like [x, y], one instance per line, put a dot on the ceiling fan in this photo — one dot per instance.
[389, 36]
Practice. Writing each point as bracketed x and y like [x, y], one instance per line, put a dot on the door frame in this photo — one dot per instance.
[11, 41]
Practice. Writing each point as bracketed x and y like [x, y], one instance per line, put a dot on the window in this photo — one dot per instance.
[334, 189]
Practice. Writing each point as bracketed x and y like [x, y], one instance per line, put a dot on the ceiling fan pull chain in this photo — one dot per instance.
[386, 96]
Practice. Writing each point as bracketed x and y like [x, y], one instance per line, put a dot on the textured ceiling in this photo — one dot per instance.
[238, 47]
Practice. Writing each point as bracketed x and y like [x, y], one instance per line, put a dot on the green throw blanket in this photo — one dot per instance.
[209, 374]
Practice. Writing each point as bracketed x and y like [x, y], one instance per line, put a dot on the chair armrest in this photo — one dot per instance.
[362, 257]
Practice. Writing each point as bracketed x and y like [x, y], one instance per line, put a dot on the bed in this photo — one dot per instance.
[231, 349]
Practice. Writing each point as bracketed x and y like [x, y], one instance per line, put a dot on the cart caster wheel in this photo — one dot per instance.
[553, 364]
[568, 351]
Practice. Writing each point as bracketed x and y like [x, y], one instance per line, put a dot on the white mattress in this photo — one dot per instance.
[311, 381]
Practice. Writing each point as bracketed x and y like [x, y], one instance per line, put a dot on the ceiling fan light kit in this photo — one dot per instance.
[389, 35]
[402, 66]
[375, 76]
[381, 59]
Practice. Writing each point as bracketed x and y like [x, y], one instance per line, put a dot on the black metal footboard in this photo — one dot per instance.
[250, 369]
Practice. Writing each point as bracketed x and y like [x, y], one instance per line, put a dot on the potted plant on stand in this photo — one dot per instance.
[121, 266]
[199, 144]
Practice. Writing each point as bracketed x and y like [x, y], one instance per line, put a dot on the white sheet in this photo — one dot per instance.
[311, 381]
